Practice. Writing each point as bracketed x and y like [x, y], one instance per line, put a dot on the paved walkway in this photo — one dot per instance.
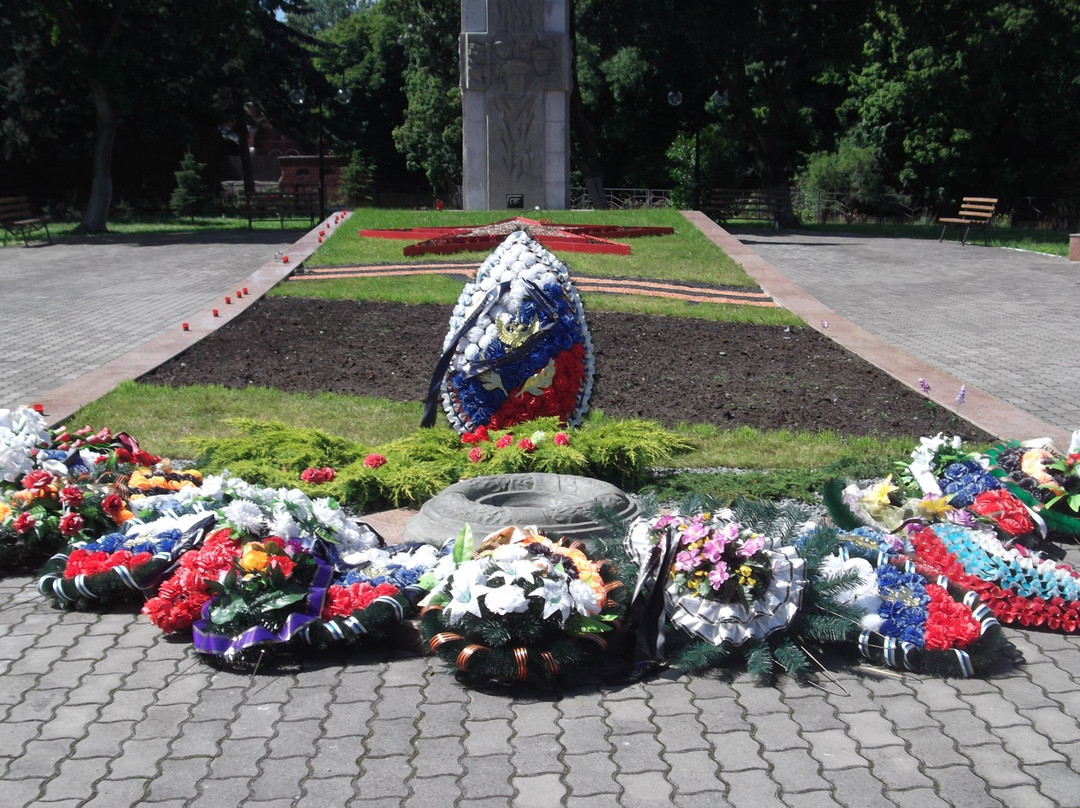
[102, 711]
[79, 316]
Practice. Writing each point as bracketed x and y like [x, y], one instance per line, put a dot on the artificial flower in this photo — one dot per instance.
[70, 524]
[476, 454]
[562, 439]
[373, 461]
[318, 476]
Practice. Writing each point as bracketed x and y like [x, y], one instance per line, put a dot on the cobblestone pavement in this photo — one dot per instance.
[101, 710]
[72, 307]
[1002, 320]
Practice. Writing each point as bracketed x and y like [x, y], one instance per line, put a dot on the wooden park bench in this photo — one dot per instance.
[974, 211]
[725, 204]
[17, 219]
[280, 206]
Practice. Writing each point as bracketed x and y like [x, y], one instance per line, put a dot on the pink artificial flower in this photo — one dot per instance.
[688, 560]
[696, 530]
[504, 441]
[476, 454]
[526, 445]
[751, 546]
[714, 549]
[562, 439]
[718, 575]
[373, 461]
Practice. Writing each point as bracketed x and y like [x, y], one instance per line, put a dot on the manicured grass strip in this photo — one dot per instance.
[163, 418]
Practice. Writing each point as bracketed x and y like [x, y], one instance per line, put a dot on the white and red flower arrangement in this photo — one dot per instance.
[518, 347]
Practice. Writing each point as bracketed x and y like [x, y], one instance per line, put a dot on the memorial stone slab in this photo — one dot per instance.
[515, 100]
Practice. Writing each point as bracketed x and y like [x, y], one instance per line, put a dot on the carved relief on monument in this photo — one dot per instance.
[512, 63]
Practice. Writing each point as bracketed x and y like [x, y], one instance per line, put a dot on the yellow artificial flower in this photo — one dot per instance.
[5, 511]
[934, 507]
[745, 571]
[879, 494]
[254, 558]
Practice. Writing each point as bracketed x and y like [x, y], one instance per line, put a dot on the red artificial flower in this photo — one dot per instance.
[562, 439]
[526, 445]
[24, 523]
[145, 458]
[124, 456]
[113, 505]
[504, 441]
[71, 523]
[283, 563]
[71, 495]
[95, 562]
[476, 454]
[1005, 509]
[37, 481]
[373, 461]
[318, 476]
[341, 601]
[560, 399]
[949, 624]
[478, 435]
[180, 598]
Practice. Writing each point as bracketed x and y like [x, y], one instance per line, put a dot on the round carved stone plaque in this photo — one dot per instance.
[557, 504]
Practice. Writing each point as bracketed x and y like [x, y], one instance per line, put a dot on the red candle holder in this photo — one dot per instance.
[284, 259]
[185, 326]
[245, 290]
[40, 410]
[228, 301]
[215, 313]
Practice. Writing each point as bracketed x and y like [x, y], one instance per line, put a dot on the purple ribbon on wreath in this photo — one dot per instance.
[219, 645]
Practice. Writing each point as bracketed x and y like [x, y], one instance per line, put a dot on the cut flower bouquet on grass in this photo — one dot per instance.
[522, 608]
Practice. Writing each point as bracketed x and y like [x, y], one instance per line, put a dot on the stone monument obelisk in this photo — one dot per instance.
[515, 104]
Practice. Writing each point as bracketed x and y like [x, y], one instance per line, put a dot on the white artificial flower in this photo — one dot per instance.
[282, 525]
[326, 512]
[510, 552]
[538, 437]
[556, 597]
[507, 599]
[511, 571]
[246, 515]
[585, 599]
[212, 486]
[465, 593]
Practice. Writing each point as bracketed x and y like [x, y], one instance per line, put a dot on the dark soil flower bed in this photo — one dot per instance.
[659, 368]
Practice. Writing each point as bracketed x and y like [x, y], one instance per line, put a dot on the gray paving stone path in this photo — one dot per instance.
[1002, 320]
[101, 711]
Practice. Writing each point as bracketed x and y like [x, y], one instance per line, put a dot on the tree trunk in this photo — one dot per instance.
[95, 217]
[246, 171]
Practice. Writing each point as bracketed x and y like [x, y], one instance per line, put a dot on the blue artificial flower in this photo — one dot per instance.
[966, 479]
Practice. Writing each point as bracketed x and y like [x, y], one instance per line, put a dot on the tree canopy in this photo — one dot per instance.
[933, 99]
